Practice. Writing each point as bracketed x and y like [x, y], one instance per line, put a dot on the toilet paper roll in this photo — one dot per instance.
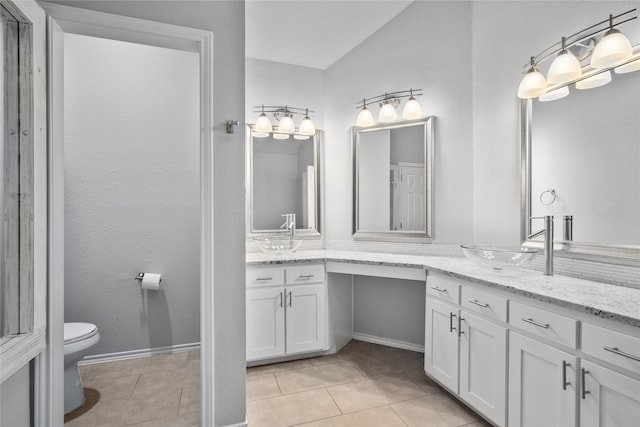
[152, 281]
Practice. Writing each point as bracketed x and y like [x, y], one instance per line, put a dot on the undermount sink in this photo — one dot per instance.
[277, 245]
[499, 257]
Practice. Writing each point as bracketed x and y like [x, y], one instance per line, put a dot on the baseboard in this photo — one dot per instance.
[388, 342]
[132, 354]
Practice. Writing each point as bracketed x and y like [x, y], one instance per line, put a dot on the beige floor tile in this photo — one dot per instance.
[190, 401]
[111, 387]
[317, 376]
[291, 409]
[155, 381]
[434, 410]
[370, 393]
[330, 358]
[262, 387]
[187, 420]
[130, 410]
[278, 367]
[382, 416]
[372, 368]
[424, 382]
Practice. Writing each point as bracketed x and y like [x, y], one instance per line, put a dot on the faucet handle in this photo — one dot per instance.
[541, 217]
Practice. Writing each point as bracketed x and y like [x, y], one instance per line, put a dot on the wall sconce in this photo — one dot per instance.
[613, 51]
[389, 102]
[286, 126]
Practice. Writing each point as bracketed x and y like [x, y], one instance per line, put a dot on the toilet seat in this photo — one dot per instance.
[77, 331]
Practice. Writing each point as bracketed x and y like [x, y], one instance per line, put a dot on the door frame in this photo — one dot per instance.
[63, 19]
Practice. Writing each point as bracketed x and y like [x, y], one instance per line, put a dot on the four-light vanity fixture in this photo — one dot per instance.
[286, 127]
[612, 51]
[388, 104]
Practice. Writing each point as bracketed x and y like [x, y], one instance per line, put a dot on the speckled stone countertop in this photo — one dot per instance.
[599, 299]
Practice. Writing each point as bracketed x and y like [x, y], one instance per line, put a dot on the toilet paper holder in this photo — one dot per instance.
[140, 276]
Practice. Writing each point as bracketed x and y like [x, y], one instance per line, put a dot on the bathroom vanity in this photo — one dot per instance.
[518, 347]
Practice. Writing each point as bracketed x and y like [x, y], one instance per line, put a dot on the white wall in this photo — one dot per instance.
[427, 46]
[15, 399]
[132, 191]
[226, 20]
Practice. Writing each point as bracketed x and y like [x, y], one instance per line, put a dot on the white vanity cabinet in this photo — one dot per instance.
[286, 310]
[464, 349]
[609, 397]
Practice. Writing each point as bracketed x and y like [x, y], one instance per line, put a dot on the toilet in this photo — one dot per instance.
[78, 339]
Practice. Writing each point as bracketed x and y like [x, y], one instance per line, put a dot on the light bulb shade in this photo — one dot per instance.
[412, 109]
[301, 137]
[263, 124]
[387, 113]
[280, 136]
[307, 127]
[564, 68]
[533, 84]
[628, 68]
[286, 125]
[365, 118]
[260, 134]
[600, 79]
[612, 50]
[554, 94]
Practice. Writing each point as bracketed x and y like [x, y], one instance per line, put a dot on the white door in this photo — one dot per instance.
[441, 343]
[306, 318]
[542, 384]
[483, 366]
[608, 398]
[265, 322]
[412, 195]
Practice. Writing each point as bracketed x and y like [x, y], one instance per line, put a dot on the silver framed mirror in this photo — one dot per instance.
[393, 181]
[580, 162]
[283, 176]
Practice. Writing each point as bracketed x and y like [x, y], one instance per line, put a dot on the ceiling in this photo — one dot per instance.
[313, 33]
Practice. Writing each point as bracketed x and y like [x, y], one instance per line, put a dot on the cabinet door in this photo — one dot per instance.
[441, 343]
[306, 318]
[483, 366]
[608, 398]
[542, 384]
[265, 322]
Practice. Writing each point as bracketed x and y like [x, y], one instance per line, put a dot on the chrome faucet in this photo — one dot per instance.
[548, 242]
[290, 224]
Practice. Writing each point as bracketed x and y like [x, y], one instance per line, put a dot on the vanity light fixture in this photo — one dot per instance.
[564, 68]
[389, 102]
[612, 51]
[286, 126]
[596, 80]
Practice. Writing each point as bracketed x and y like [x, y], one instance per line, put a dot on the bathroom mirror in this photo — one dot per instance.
[581, 157]
[283, 176]
[392, 181]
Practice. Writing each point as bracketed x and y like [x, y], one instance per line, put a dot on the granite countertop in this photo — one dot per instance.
[599, 299]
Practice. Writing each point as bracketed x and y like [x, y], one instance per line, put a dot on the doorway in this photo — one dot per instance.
[64, 21]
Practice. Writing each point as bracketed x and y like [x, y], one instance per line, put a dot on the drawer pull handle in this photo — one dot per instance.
[565, 383]
[438, 289]
[478, 303]
[306, 276]
[460, 331]
[281, 302]
[616, 350]
[290, 299]
[451, 327]
[584, 385]
[264, 279]
[533, 322]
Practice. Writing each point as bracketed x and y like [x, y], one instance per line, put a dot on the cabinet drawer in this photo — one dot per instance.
[560, 329]
[265, 276]
[304, 274]
[443, 287]
[492, 306]
[614, 347]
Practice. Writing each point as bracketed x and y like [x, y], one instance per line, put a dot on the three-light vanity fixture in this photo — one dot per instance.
[285, 127]
[612, 52]
[388, 104]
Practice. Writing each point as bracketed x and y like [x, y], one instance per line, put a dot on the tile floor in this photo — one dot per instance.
[362, 385]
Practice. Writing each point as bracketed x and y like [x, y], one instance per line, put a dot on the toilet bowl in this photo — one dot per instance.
[78, 339]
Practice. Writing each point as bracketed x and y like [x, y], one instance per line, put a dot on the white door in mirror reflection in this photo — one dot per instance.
[408, 190]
